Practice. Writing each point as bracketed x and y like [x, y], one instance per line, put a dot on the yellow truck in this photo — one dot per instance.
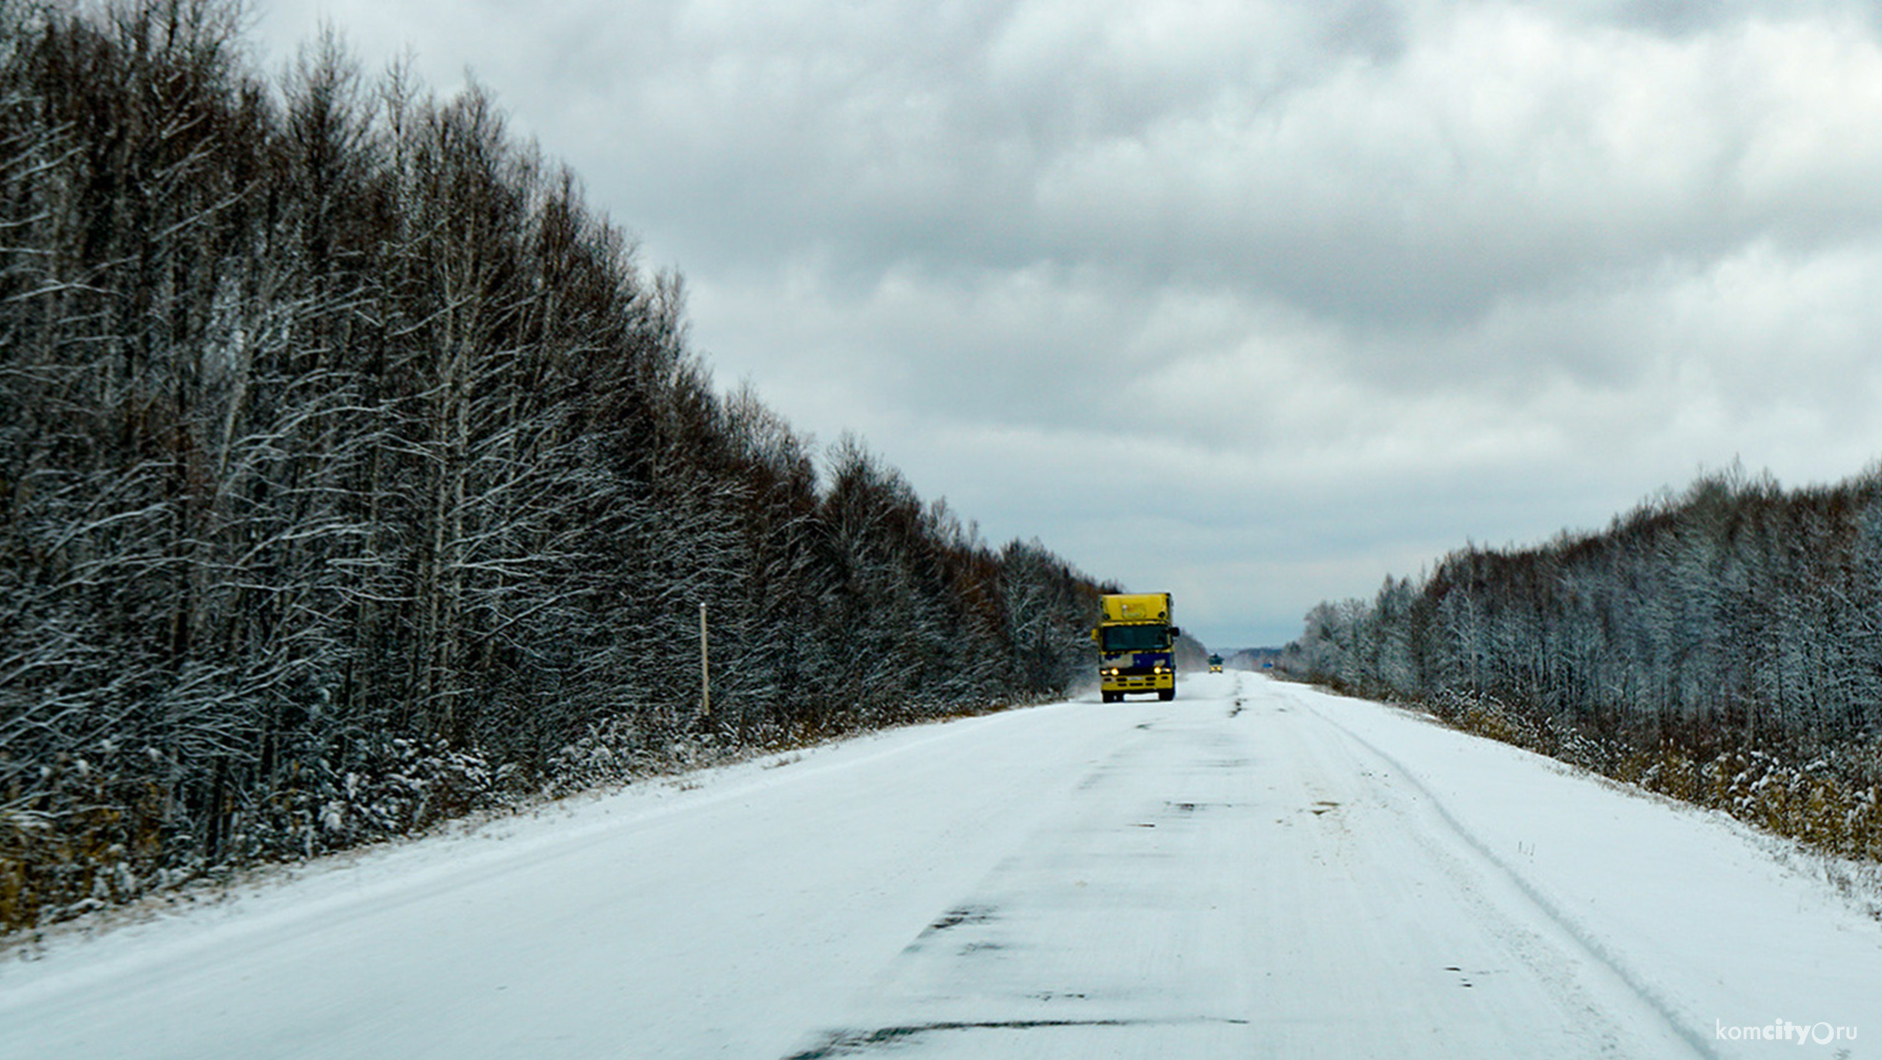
[1136, 646]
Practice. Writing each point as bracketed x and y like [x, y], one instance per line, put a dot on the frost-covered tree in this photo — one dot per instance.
[353, 473]
[1733, 620]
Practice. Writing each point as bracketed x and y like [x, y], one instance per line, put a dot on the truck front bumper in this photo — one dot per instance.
[1126, 682]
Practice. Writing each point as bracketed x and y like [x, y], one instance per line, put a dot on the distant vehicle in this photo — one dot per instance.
[1215, 664]
[1135, 646]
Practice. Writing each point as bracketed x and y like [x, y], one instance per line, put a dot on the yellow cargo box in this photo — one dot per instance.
[1137, 607]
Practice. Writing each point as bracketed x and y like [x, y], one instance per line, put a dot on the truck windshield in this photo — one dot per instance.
[1136, 638]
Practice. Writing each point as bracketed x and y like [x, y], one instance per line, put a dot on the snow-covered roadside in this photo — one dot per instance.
[1726, 930]
[284, 892]
[640, 923]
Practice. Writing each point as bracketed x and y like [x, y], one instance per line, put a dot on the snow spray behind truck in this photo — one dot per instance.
[1136, 646]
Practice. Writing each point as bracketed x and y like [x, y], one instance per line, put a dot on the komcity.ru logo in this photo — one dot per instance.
[1784, 1031]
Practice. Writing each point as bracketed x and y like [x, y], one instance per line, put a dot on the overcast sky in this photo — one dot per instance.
[1252, 301]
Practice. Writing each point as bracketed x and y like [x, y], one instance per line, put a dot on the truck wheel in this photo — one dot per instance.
[1166, 694]
[1110, 697]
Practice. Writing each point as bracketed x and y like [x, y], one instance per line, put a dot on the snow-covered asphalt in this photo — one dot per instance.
[1256, 869]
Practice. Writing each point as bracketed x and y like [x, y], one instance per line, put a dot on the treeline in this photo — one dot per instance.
[1723, 645]
[353, 474]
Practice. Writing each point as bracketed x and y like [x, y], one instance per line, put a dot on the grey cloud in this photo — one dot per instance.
[1373, 28]
[1351, 283]
[1677, 17]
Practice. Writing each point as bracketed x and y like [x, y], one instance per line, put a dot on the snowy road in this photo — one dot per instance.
[1255, 869]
